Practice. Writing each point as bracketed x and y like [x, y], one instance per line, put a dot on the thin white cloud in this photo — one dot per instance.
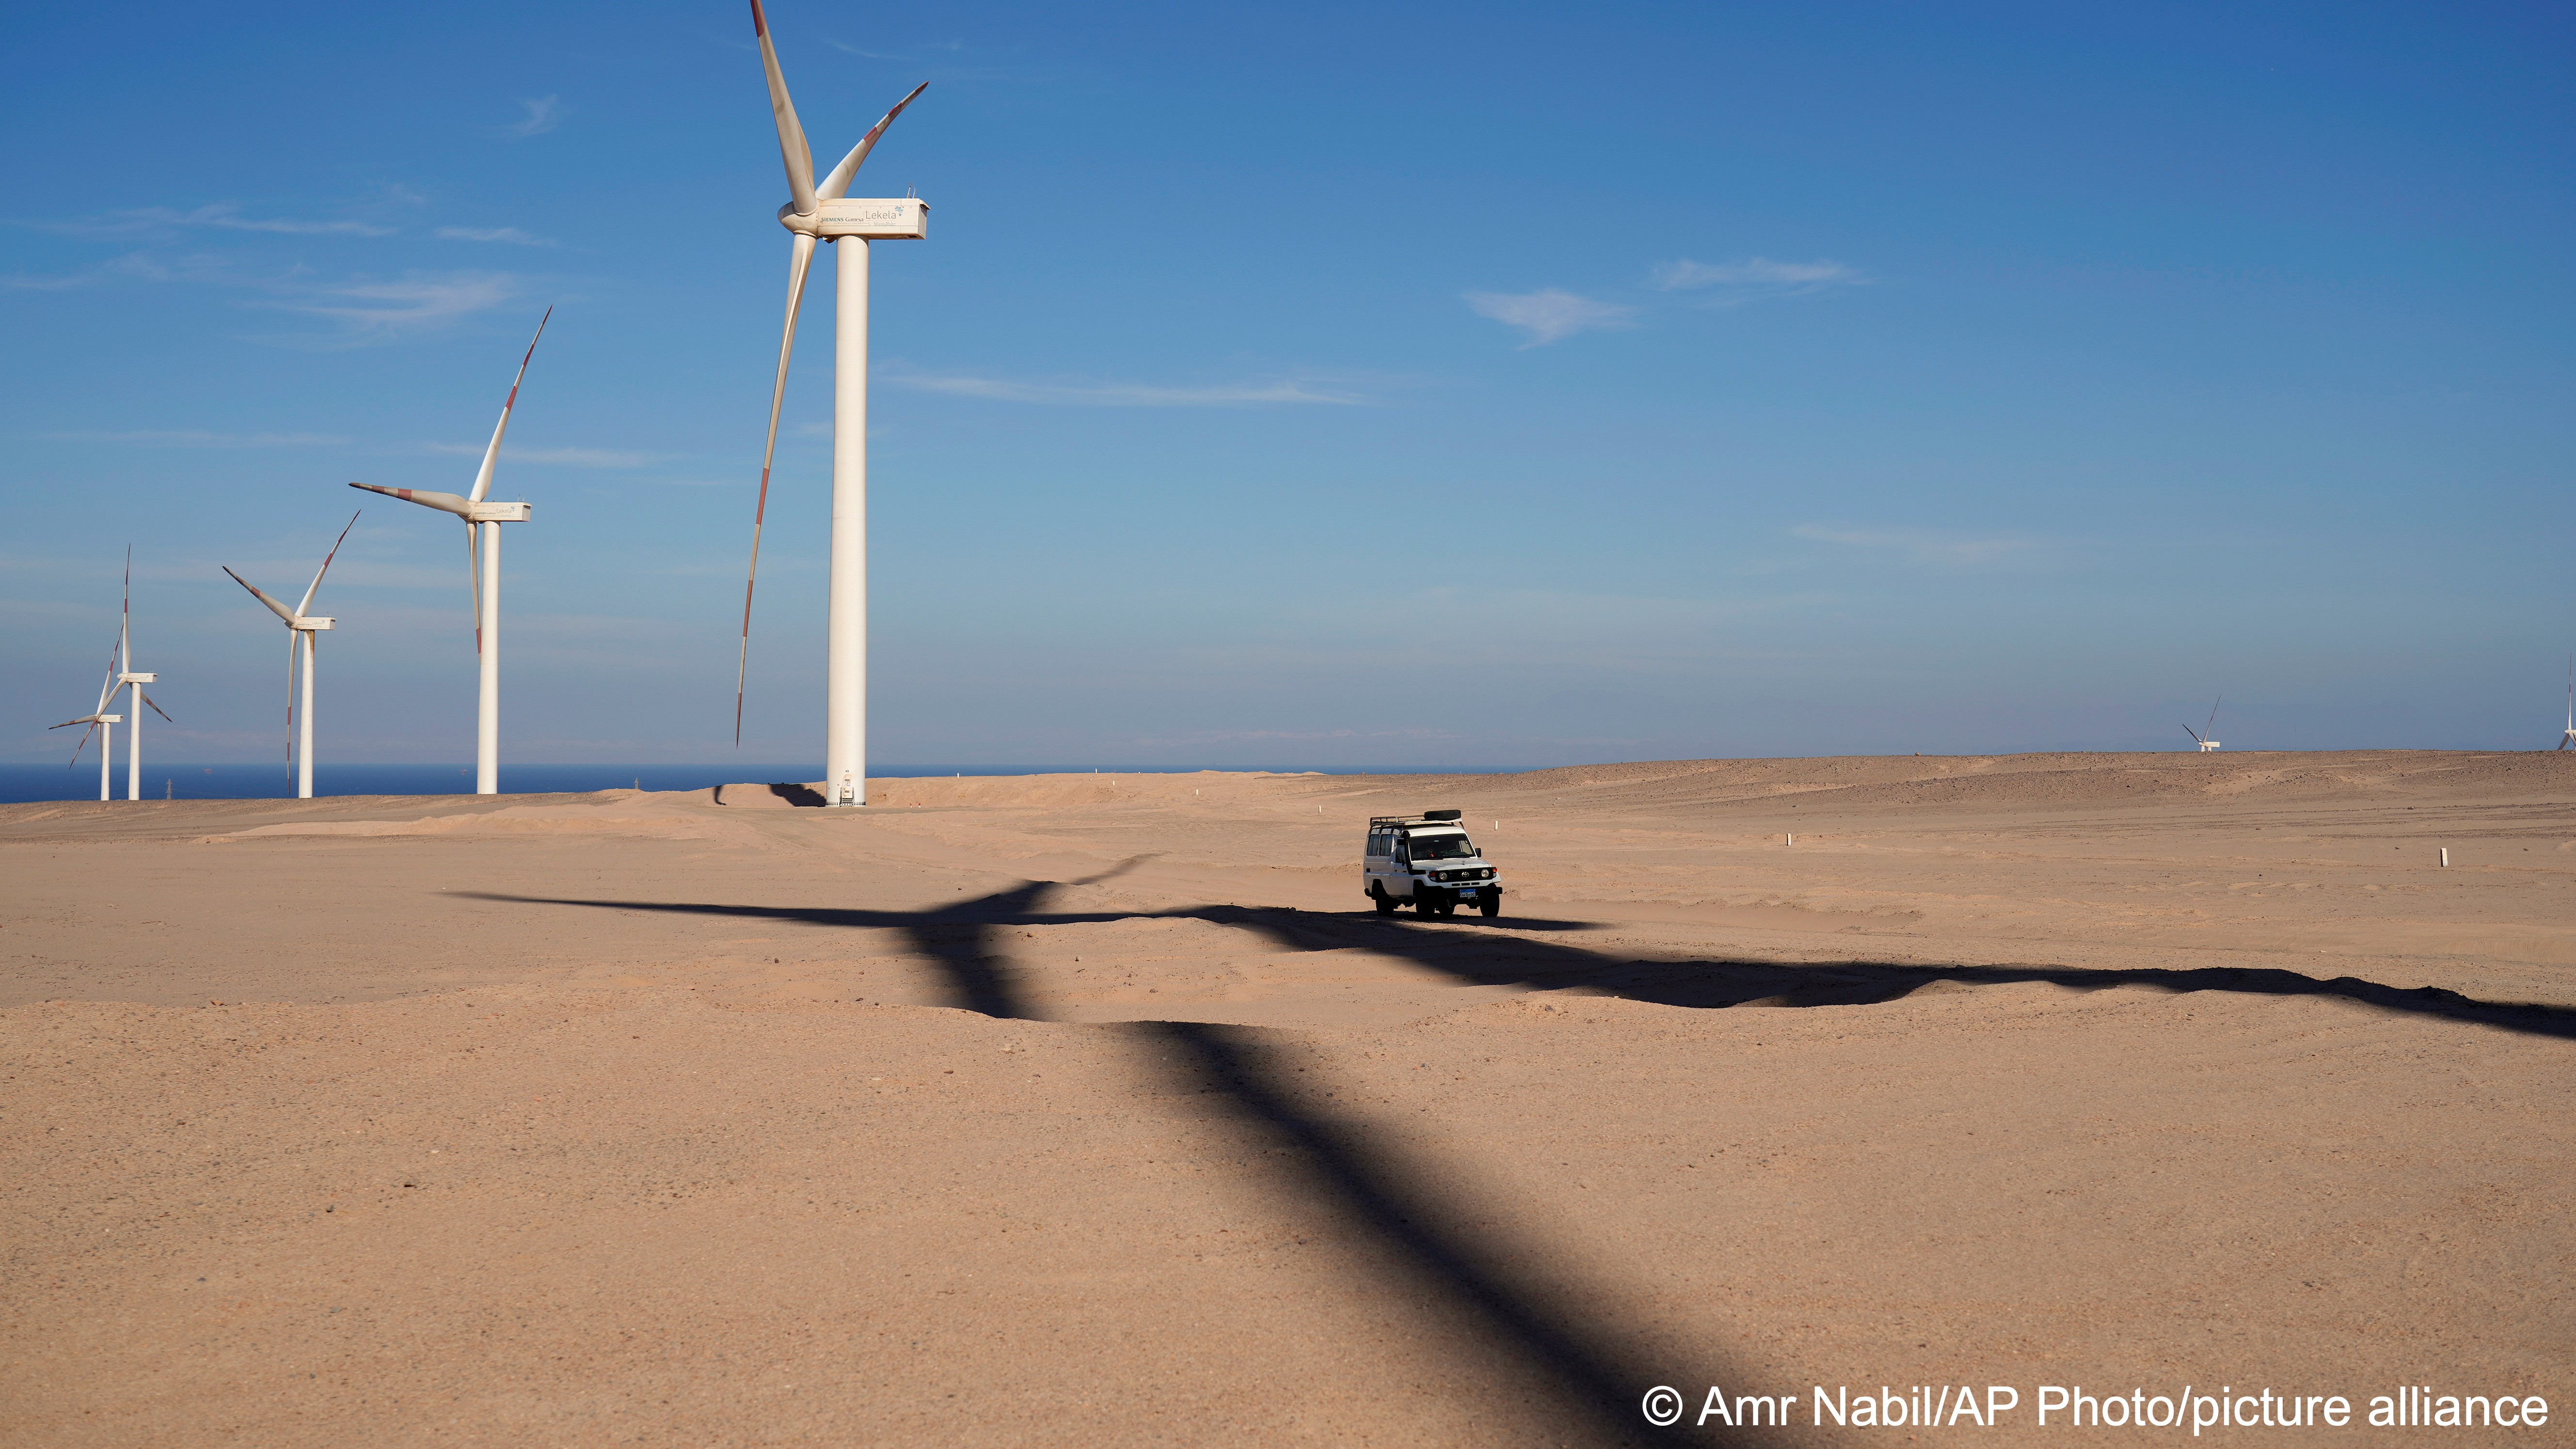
[415, 302]
[191, 438]
[1922, 545]
[1550, 315]
[509, 234]
[559, 457]
[365, 309]
[221, 216]
[1122, 394]
[28, 282]
[847, 48]
[544, 114]
[1732, 282]
[1229, 737]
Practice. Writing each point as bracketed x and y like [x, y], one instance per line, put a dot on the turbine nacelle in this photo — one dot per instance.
[900, 218]
[471, 510]
[131, 677]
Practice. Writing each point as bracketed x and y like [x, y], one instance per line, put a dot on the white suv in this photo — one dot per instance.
[1426, 861]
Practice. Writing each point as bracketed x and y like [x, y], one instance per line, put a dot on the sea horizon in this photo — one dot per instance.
[179, 780]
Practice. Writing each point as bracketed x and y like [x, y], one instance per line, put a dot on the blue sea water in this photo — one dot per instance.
[255, 782]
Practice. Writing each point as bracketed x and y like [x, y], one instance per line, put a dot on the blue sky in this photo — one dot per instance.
[1493, 385]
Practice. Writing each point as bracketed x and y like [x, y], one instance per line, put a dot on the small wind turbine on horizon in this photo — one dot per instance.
[301, 628]
[127, 676]
[483, 522]
[2569, 739]
[2202, 734]
[121, 674]
[99, 720]
[819, 211]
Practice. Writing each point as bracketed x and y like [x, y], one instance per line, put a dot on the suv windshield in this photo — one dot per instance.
[1443, 847]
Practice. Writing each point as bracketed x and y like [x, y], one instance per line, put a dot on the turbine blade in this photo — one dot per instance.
[483, 475]
[147, 699]
[2195, 734]
[326, 561]
[443, 502]
[837, 184]
[791, 136]
[125, 615]
[107, 684]
[279, 609]
[84, 742]
[800, 257]
[87, 719]
[2213, 712]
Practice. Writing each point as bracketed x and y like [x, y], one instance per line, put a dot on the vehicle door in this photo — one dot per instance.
[1399, 872]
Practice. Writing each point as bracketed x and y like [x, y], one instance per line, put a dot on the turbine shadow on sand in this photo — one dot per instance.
[1591, 1379]
[1506, 954]
[1494, 958]
[1592, 1373]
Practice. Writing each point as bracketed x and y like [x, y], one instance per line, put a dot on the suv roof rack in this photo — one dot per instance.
[1427, 817]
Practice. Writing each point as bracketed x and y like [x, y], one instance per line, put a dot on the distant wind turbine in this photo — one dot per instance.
[483, 567]
[301, 628]
[100, 722]
[129, 679]
[818, 211]
[2569, 738]
[2202, 734]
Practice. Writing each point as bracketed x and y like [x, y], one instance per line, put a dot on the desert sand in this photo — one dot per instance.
[1101, 1110]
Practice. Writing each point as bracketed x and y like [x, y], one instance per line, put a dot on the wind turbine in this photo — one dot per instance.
[2569, 738]
[99, 719]
[300, 631]
[127, 678]
[483, 568]
[2202, 734]
[818, 211]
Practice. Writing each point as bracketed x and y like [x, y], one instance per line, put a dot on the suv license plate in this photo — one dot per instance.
[1466, 893]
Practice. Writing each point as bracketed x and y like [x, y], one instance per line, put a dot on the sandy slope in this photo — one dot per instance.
[1098, 1109]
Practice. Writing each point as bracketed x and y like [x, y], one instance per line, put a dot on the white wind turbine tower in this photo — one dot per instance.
[99, 720]
[483, 567]
[2202, 734]
[818, 211]
[301, 628]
